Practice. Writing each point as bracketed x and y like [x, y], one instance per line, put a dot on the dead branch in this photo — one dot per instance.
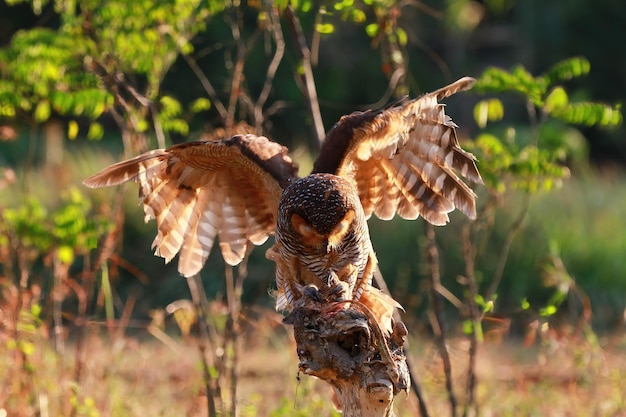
[348, 349]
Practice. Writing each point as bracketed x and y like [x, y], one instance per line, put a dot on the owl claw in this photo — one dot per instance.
[339, 289]
[312, 292]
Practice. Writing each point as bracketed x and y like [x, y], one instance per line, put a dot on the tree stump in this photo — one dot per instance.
[348, 349]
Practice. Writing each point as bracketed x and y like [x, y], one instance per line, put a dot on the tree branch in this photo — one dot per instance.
[347, 349]
[272, 68]
[432, 255]
[309, 82]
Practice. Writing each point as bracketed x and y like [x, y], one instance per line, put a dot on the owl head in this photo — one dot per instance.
[320, 209]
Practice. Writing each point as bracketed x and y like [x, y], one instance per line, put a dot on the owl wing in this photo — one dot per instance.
[404, 159]
[199, 190]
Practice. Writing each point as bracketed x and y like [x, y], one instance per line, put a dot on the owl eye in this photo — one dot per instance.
[308, 235]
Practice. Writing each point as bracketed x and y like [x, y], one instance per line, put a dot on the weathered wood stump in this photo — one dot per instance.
[347, 348]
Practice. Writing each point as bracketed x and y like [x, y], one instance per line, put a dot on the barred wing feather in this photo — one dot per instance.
[198, 191]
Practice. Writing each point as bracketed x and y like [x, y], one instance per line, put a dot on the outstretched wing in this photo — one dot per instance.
[404, 159]
[199, 190]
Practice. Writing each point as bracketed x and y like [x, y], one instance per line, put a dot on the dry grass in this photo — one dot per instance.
[141, 376]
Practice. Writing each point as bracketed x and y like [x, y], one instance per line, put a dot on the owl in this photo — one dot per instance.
[404, 159]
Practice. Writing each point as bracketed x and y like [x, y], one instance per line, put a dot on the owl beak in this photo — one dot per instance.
[335, 237]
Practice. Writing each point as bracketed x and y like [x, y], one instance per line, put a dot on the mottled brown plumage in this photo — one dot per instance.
[405, 159]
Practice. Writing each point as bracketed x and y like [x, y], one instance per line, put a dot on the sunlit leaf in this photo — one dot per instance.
[27, 348]
[325, 28]
[96, 131]
[72, 129]
[340, 5]
[468, 327]
[479, 300]
[525, 304]
[65, 254]
[200, 104]
[358, 16]
[402, 36]
[170, 107]
[42, 111]
[588, 114]
[568, 69]
[556, 98]
[142, 125]
[35, 310]
[176, 125]
[488, 110]
[548, 311]
[371, 29]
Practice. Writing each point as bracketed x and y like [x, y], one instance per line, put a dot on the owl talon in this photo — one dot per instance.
[339, 290]
[312, 292]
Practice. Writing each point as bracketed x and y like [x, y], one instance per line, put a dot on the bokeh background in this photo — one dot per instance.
[86, 83]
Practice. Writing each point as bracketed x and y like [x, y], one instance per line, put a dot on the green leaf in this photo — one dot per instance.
[468, 327]
[402, 36]
[170, 107]
[42, 111]
[65, 254]
[488, 110]
[344, 4]
[96, 131]
[324, 28]
[72, 129]
[479, 300]
[107, 293]
[557, 98]
[568, 69]
[200, 104]
[525, 304]
[371, 29]
[358, 16]
[27, 348]
[176, 125]
[588, 114]
[35, 310]
[548, 311]
[142, 125]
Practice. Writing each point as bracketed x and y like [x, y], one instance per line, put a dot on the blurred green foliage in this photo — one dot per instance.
[107, 66]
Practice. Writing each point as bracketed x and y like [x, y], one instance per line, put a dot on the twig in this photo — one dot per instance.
[234, 289]
[432, 255]
[272, 68]
[475, 316]
[415, 384]
[506, 246]
[208, 87]
[237, 78]
[309, 81]
[86, 286]
[195, 288]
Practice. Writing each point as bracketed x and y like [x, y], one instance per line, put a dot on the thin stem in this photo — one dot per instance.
[506, 246]
[206, 84]
[432, 255]
[237, 78]
[475, 315]
[195, 288]
[309, 81]
[272, 68]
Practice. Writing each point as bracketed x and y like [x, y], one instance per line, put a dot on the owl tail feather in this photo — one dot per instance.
[381, 305]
